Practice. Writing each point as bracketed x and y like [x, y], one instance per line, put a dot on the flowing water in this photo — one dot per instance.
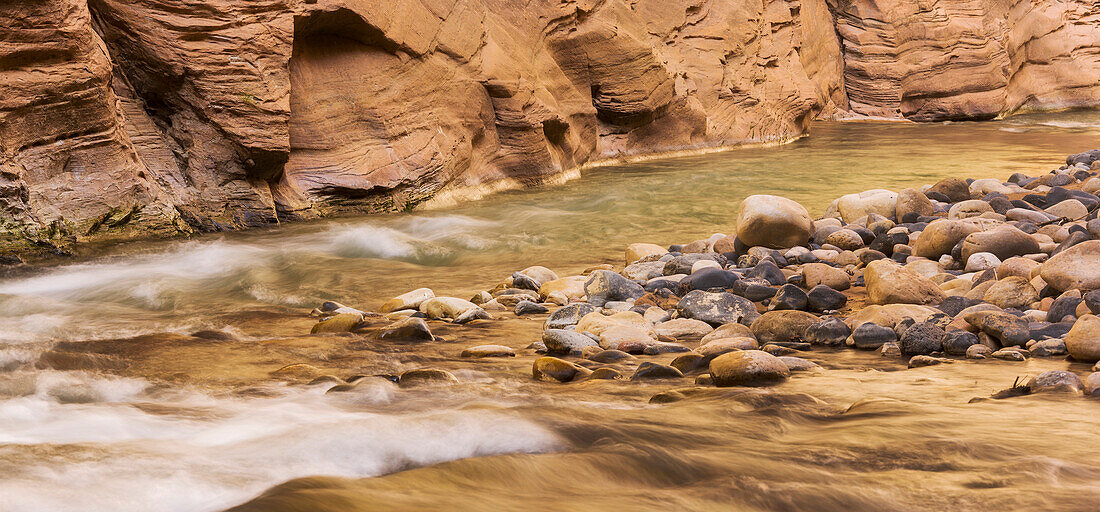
[155, 419]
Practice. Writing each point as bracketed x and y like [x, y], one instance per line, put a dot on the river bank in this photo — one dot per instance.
[161, 364]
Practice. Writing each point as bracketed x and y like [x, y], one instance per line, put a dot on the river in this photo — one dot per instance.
[180, 425]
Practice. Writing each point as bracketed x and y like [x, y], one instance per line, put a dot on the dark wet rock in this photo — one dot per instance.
[831, 331]
[689, 362]
[955, 304]
[823, 298]
[921, 339]
[525, 282]
[568, 315]
[957, 342]
[425, 376]
[748, 368]
[408, 329]
[790, 296]
[1040, 330]
[780, 326]
[1092, 301]
[526, 307]
[603, 286]
[682, 264]
[778, 350]
[870, 336]
[650, 370]
[1075, 238]
[561, 341]
[1006, 328]
[717, 308]
[767, 271]
[754, 291]
[709, 278]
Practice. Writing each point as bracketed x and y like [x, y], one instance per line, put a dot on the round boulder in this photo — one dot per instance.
[748, 368]
[773, 221]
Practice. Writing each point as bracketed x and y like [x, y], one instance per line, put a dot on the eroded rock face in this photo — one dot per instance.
[122, 118]
[965, 59]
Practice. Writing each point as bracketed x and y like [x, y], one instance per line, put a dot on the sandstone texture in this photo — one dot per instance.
[123, 119]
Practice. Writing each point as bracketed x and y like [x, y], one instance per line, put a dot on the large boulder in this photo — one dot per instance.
[604, 286]
[748, 368]
[1077, 267]
[568, 315]
[773, 221]
[940, 236]
[890, 283]
[1083, 340]
[717, 308]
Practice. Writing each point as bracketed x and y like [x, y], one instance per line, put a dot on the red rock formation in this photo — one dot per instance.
[125, 117]
[969, 59]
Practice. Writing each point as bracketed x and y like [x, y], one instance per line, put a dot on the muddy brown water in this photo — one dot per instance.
[129, 412]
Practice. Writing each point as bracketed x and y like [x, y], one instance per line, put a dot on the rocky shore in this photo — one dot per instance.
[957, 270]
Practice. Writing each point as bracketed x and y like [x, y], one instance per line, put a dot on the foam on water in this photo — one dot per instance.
[109, 455]
[423, 239]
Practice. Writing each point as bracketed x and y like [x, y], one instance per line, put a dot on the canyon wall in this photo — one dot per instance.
[127, 118]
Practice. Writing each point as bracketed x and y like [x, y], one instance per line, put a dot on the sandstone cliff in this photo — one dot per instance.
[123, 118]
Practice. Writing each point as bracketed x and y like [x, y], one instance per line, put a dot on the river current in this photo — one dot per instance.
[199, 427]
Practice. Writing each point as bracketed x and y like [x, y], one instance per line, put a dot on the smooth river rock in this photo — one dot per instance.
[1083, 340]
[773, 221]
[748, 368]
[890, 283]
[1077, 267]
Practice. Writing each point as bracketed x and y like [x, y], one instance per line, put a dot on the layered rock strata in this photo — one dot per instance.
[121, 118]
